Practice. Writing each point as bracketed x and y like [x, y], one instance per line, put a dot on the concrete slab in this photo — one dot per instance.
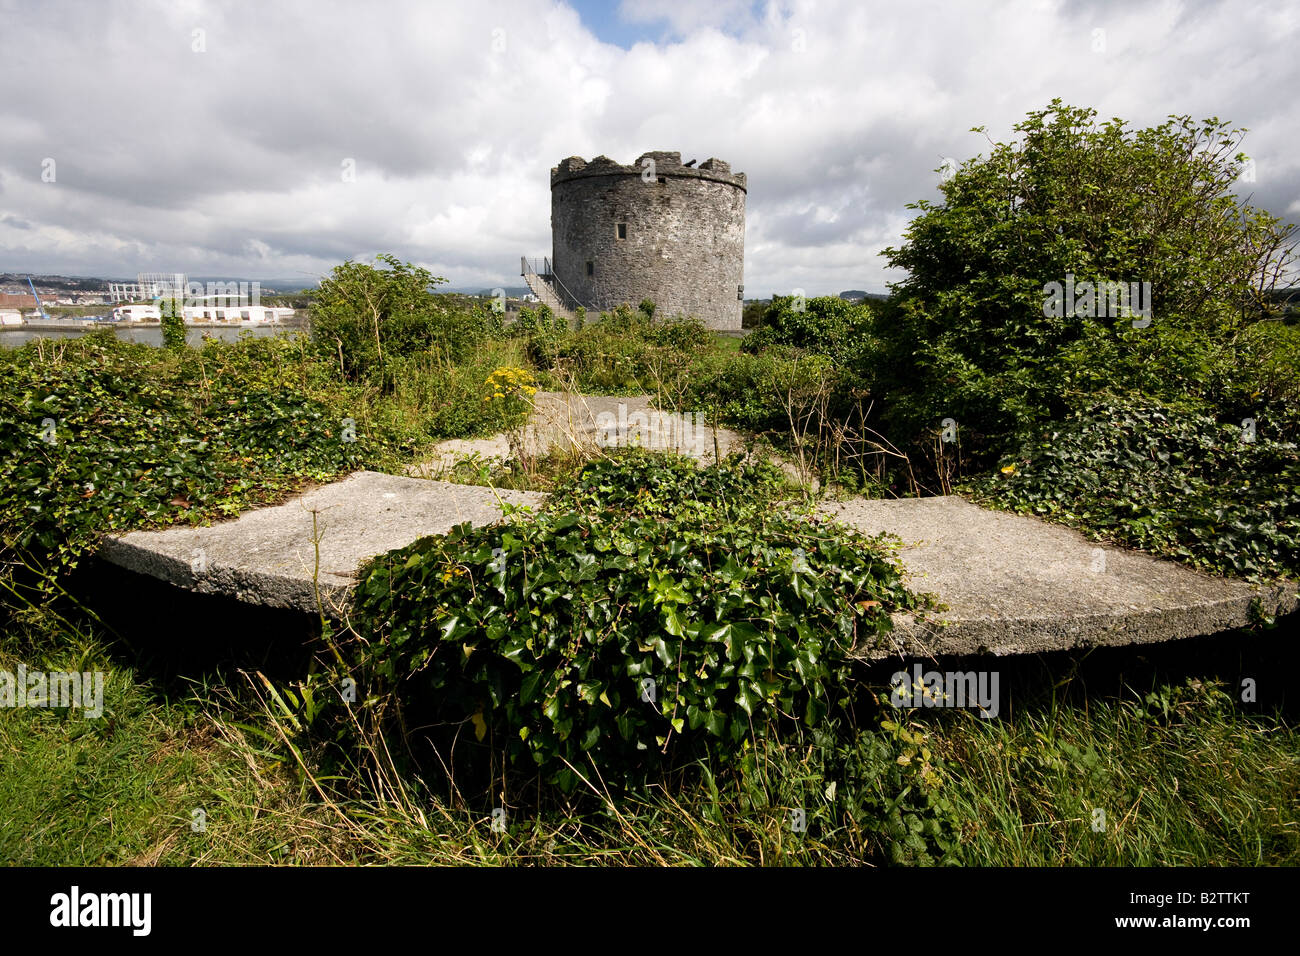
[267, 556]
[1011, 584]
[1018, 585]
[563, 421]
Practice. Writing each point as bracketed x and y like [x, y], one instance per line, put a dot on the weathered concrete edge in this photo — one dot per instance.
[1036, 635]
[262, 588]
[157, 553]
[958, 636]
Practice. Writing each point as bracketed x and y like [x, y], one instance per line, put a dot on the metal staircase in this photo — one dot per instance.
[546, 285]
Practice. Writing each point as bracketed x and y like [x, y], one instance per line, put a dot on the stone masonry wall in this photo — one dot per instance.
[685, 235]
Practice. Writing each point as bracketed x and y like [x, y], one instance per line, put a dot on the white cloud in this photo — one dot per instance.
[229, 160]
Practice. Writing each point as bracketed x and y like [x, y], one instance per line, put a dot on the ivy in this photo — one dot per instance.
[1215, 495]
[626, 628]
[105, 436]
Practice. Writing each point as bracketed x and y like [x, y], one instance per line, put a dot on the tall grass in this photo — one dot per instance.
[1184, 775]
[1127, 783]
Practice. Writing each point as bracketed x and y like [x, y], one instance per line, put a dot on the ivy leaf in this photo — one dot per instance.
[748, 697]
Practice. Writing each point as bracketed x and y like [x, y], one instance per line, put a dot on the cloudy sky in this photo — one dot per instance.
[278, 138]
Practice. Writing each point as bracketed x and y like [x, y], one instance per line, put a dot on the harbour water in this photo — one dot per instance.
[149, 335]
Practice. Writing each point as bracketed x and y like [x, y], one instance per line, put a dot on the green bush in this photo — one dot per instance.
[650, 484]
[751, 316]
[264, 362]
[546, 631]
[757, 392]
[102, 435]
[599, 360]
[1172, 482]
[1266, 372]
[446, 400]
[625, 351]
[363, 319]
[624, 318]
[828, 325]
[684, 333]
[972, 335]
[542, 331]
[884, 791]
[173, 323]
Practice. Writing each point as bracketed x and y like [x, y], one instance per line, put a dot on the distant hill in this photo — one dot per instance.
[860, 294]
[71, 283]
[266, 285]
[95, 284]
[511, 291]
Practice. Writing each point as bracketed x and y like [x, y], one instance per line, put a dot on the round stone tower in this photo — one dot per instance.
[654, 230]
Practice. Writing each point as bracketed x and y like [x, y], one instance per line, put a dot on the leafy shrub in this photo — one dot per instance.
[631, 640]
[363, 318]
[173, 323]
[625, 351]
[883, 789]
[624, 318]
[643, 483]
[1173, 482]
[897, 779]
[756, 391]
[970, 337]
[751, 316]
[684, 333]
[542, 332]
[104, 435]
[1266, 372]
[601, 361]
[828, 325]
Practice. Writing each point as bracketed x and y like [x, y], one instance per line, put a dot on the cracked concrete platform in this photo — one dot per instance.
[266, 556]
[1012, 584]
[1018, 585]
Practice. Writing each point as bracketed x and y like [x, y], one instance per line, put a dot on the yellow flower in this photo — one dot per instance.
[1009, 470]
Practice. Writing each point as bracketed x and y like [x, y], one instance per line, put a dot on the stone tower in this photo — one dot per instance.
[656, 230]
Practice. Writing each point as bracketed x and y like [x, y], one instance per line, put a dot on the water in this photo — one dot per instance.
[12, 338]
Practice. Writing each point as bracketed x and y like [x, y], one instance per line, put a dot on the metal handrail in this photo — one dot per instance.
[547, 274]
[574, 303]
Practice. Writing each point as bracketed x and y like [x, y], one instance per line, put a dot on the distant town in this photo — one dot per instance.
[58, 301]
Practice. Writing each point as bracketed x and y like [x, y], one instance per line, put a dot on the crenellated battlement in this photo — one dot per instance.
[667, 164]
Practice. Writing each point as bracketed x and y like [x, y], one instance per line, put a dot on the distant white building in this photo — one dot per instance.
[137, 313]
[236, 315]
[209, 313]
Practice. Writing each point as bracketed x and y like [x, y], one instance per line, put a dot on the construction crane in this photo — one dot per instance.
[39, 307]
